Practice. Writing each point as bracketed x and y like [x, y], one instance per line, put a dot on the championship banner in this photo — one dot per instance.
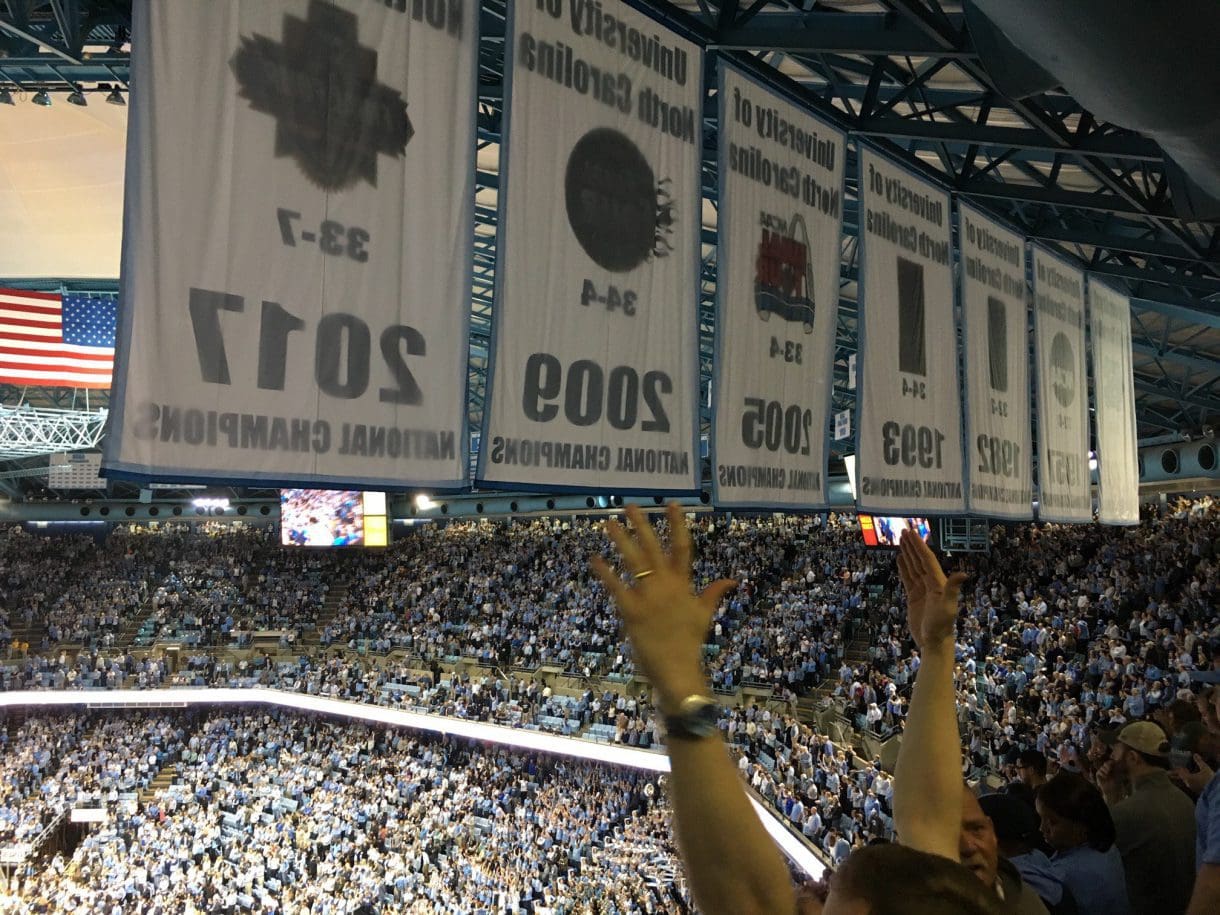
[999, 460]
[1114, 397]
[780, 217]
[908, 428]
[593, 378]
[296, 264]
[1063, 394]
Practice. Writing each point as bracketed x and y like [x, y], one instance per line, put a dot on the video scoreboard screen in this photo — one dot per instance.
[333, 518]
[885, 531]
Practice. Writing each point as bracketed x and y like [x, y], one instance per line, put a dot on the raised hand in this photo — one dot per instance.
[931, 596]
[1196, 781]
[665, 620]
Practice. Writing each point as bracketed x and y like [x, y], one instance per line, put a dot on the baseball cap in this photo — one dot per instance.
[1145, 737]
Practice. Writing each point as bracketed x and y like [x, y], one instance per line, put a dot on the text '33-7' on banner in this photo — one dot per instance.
[1118, 479]
[998, 459]
[908, 431]
[780, 216]
[593, 377]
[300, 187]
[1063, 393]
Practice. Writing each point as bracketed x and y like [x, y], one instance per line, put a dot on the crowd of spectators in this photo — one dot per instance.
[1064, 629]
[1069, 628]
[284, 812]
[51, 763]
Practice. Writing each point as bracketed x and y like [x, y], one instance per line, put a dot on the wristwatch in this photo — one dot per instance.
[697, 717]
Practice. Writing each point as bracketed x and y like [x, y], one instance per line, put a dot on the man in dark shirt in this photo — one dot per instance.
[1155, 822]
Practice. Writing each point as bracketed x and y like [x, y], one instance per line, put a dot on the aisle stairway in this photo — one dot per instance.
[160, 782]
[32, 635]
[134, 624]
[856, 654]
[312, 639]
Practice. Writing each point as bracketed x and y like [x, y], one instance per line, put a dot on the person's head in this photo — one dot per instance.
[1031, 767]
[895, 880]
[1074, 813]
[1178, 714]
[1194, 738]
[1021, 792]
[978, 847]
[1014, 823]
[1140, 748]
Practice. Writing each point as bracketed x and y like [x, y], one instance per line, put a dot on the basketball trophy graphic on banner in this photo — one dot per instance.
[784, 278]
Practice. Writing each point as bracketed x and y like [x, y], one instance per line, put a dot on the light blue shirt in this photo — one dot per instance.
[1207, 821]
[1096, 879]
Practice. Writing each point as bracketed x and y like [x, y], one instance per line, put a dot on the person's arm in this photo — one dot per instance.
[1206, 898]
[928, 778]
[731, 862]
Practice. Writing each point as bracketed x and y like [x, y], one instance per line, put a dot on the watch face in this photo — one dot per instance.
[698, 716]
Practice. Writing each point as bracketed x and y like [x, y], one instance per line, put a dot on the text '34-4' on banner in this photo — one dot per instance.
[908, 430]
[1063, 393]
[296, 266]
[998, 459]
[1118, 480]
[780, 216]
[593, 378]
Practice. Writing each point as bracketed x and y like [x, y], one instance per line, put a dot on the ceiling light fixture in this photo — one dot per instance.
[115, 98]
[6, 97]
[76, 97]
[42, 98]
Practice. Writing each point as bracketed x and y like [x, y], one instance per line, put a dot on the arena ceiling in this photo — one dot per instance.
[959, 91]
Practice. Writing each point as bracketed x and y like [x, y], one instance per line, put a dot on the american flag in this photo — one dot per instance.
[56, 342]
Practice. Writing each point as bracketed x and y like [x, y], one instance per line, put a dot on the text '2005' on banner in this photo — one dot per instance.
[777, 287]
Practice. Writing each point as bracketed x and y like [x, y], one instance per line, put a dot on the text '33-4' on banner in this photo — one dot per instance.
[781, 180]
[1118, 480]
[300, 185]
[1063, 393]
[998, 458]
[594, 369]
[908, 430]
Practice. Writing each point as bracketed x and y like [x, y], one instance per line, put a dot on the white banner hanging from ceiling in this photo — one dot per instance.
[780, 217]
[999, 462]
[1063, 393]
[296, 272]
[1114, 399]
[908, 428]
[593, 379]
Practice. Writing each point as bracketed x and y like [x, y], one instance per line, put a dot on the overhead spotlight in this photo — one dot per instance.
[115, 98]
[42, 98]
[6, 97]
[76, 97]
